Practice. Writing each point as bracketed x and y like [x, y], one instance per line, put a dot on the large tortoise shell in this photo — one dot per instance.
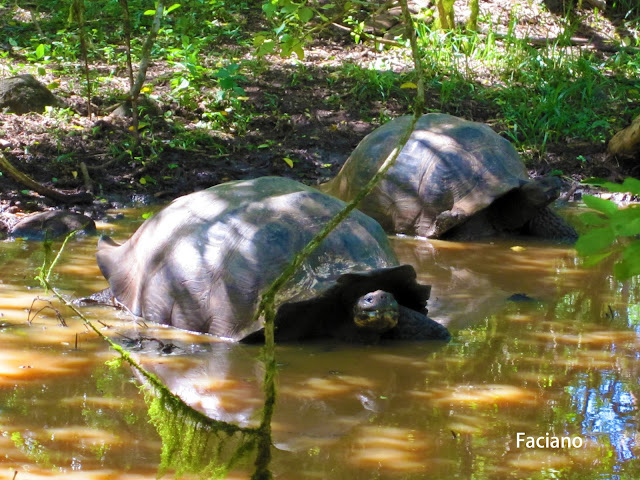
[203, 262]
[449, 169]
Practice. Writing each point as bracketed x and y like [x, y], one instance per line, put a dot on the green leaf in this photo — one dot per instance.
[607, 207]
[148, 179]
[626, 223]
[259, 40]
[632, 250]
[631, 185]
[172, 8]
[147, 215]
[598, 181]
[592, 219]
[267, 47]
[269, 9]
[40, 51]
[592, 260]
[298, 50]
[629, 266]
[595, 241]
[289, 8]
[305, 14]
[280, 29]
[149, 13]
[288, 161]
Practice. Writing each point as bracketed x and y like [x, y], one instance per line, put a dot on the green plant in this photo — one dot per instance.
[288, 20]
[614, 231]
[370, 84]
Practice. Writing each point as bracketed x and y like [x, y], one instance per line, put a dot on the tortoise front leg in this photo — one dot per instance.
[413, 325]
[548, 224]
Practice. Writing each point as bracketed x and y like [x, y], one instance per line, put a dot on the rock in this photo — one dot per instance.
[52, 224]
[626, 142]
[24, 94]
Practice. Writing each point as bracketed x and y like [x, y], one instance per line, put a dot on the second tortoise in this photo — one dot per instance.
[454, 179]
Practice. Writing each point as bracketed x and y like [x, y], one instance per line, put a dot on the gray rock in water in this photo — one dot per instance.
[52, 224]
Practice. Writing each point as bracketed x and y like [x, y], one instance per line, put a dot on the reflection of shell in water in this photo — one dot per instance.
[487, 395]
[389, 448]
[85, 436]
[334, 385]
[599, 338]
[536, 460]
[22, 366]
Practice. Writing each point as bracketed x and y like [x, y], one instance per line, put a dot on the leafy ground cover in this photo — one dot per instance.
[555, 79]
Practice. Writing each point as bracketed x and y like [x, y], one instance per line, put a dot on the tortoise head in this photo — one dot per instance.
[541, 191]
[376, 312]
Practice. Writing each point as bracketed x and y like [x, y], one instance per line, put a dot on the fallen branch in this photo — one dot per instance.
[49, 305]
[367, 36]
[27, 181]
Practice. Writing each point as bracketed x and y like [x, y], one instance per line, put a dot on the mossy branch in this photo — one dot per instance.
[266, 307]
[192, 450]
[153, 381]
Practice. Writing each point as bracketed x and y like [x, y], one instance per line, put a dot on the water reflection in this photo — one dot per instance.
[566, 363]
[609, 410]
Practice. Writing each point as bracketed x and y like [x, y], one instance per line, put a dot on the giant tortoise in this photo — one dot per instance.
[454, 179]
[202, 263]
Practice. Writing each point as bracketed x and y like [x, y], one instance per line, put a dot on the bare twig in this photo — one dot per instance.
[77, 14]
[146, 50]
[88, 184]
[49, 305]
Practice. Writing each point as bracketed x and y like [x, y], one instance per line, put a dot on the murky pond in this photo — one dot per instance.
[558, 363]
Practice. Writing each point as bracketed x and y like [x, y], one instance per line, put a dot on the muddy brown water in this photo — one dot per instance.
[564, 364]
